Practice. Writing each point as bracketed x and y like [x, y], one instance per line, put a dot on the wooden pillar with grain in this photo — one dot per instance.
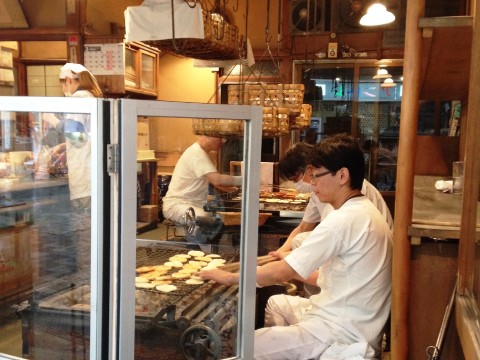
[405, 179]
[466, 268]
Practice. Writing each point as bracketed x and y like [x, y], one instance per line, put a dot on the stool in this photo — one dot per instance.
[171, 225]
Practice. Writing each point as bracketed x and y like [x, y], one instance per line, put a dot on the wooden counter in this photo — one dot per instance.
[436, 214]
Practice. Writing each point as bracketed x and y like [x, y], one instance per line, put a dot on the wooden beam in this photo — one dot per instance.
[405, 179]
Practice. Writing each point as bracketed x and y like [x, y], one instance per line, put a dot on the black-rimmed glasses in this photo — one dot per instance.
[314, 176]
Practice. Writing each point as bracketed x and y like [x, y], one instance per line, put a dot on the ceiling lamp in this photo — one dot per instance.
[382, 74]
[388, 83]
[377, 14]
[383, 62]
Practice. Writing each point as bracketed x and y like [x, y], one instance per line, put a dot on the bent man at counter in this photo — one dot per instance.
[191, 177]
[352, 247]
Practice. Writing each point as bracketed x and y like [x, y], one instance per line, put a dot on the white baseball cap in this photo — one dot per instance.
[71, 70]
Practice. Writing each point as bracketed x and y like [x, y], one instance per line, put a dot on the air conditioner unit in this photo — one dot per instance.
[308, 17]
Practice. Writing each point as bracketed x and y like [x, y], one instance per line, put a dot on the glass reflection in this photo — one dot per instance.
[45, 231]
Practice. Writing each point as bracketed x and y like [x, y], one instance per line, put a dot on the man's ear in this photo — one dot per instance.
[344, 175]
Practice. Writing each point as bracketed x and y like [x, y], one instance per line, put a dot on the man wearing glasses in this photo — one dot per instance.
[352, 248]
[295, 166]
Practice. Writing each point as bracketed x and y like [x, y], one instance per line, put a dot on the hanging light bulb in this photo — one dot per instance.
[388, 83]
[377, 14]
[382, 74]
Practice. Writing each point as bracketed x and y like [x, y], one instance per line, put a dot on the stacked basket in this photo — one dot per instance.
[283, 110]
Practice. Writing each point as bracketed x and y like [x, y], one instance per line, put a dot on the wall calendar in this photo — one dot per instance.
[104, 59]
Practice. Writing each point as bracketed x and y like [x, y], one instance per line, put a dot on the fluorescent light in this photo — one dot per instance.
[377, 14]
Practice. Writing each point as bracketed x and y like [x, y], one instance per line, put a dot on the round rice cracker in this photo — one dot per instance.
[196, 253]
[139, 279]
[166, 288]
[144, 269]
[203, 258]
[194, 282]
[179, 275]
[178, 258]
[147, 285]
[174, 264]
[161, 282]
[213, 256]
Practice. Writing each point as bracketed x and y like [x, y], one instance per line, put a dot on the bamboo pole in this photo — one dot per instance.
[405, 179]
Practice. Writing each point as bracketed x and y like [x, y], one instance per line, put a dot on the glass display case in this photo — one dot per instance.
[68, 263]
[51, 254]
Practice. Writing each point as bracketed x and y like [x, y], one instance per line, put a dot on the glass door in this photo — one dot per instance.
[163, 312]
[361, 98]
[51, 227]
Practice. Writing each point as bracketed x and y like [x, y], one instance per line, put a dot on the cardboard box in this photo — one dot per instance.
[148, 213]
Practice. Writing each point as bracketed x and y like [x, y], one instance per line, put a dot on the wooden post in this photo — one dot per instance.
[466, 249]
[405, 179]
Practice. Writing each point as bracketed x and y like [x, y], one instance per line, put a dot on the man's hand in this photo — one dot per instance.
[279, 254]
[219, 276]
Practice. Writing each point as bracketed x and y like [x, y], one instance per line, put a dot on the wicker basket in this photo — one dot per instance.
[234, 218]
[303, 120]
[218, 127]
[220, 42]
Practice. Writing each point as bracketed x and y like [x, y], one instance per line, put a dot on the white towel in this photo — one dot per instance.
[444, 185]
[357, 351]
[142, 22]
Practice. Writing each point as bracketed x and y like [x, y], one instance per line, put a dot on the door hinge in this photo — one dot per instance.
[113, 158]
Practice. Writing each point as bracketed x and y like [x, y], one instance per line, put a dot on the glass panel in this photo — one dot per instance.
[131, 76]
[45, 233]
[202, 226]
[185, 226]
[148, 72]
[379, 118]
[329, 90]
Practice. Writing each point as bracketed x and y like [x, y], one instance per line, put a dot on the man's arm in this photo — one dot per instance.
[272, 273]
[222, 180]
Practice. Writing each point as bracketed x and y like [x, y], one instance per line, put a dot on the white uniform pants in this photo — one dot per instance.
[282, 338]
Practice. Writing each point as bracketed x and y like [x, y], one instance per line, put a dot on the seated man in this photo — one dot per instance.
[191, 177]
[294, 166]
[352, 247]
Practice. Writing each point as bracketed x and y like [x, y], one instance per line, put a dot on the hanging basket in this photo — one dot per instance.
[220, 42]
[303, 120]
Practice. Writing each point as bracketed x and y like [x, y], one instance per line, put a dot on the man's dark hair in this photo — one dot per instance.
[340, 151]
[295, 160]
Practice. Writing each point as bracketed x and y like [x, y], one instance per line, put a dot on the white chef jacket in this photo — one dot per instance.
[189, 184]
[78, 155]
[352, 248]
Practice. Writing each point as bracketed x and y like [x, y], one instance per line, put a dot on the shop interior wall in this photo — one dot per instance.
[179, 80]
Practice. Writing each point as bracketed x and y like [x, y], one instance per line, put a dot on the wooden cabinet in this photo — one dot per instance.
[123, 68]
[141, 62]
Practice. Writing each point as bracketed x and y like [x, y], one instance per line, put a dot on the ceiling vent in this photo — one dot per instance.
[307, 17]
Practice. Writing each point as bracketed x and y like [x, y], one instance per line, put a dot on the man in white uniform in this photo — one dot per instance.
[353, 249]
[295, 167]
[193, 173]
